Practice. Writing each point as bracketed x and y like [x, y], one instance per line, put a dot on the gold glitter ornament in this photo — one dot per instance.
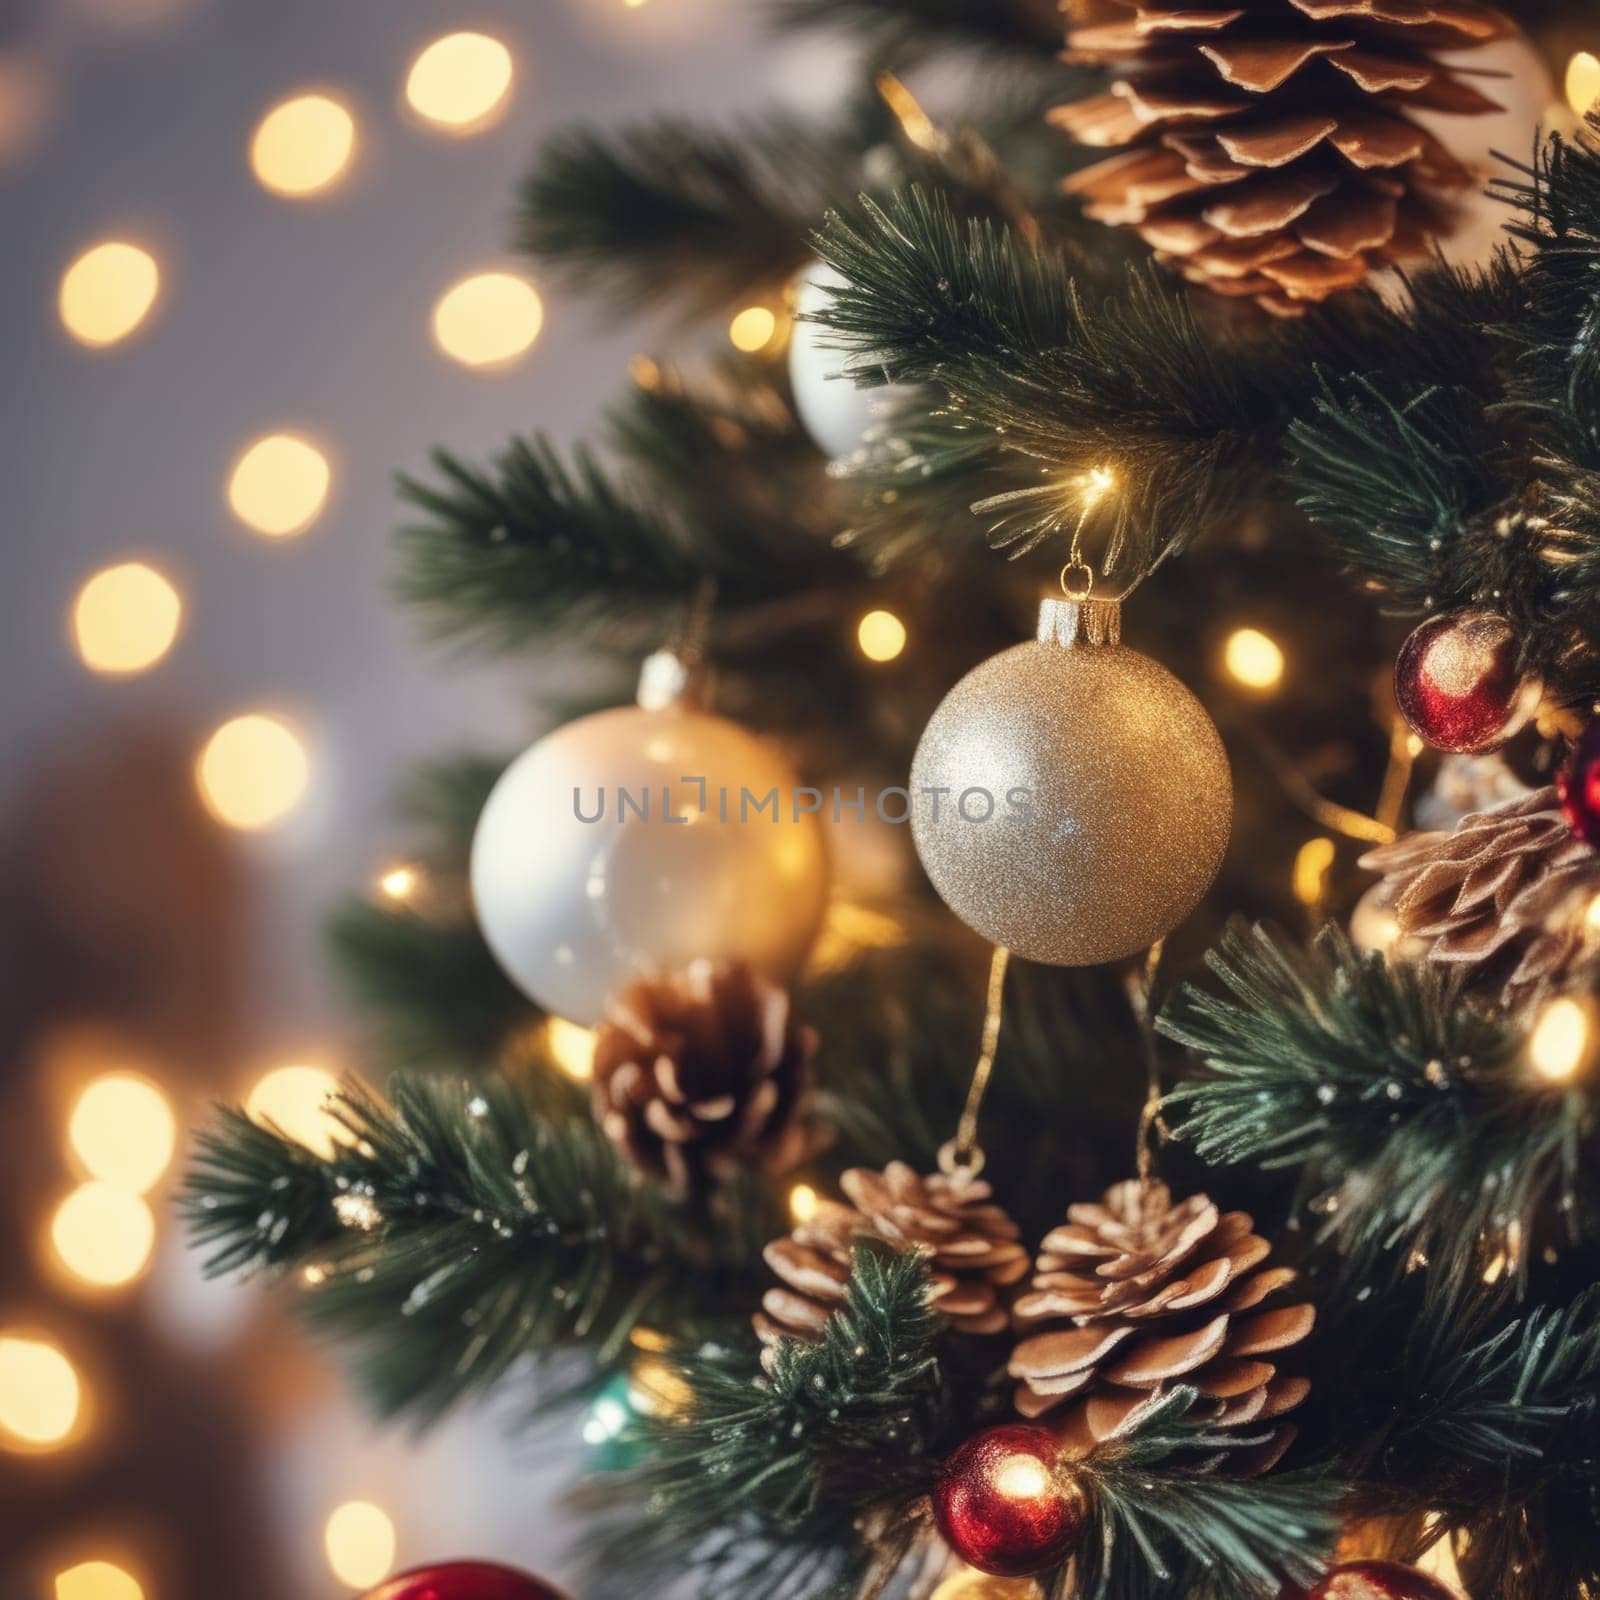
[970, 1584]
[1070, 798]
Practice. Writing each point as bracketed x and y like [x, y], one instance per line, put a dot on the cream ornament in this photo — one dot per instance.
[836, 414]
[1071, 798]
[623, 844]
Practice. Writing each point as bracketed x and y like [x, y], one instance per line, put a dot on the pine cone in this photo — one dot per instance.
[971, 1244]
[1135, 1295]
[1503, 897]
[1273, 152]
[703, 1073]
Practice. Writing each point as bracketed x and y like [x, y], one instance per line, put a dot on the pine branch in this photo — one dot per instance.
[1392, 484]
[438, 998]
[461, 1232]
[668, 210]
[1422, 1136]
[1072, 377]
[533, 545]
[757, 1485]
[1162, 1528]
[894, 30]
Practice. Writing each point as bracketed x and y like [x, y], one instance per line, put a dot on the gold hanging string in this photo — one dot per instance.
[1403, 748]
[963, 154]
[1152, 1132]
[1330, 814]
[963, 1154]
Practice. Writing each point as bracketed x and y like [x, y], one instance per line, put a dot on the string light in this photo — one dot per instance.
[1583, 82]
[1559, 1043]
[656, 1389]
[1311, 866]
[488, 320]
[1253, 659]
[460, 82]
[97, 1580]
[803, 1203]
[125, 619]
[359, 1540]
[253, 772]
[570, 1047]
[41, 1394]
[303, 145]
[107, 292]
[752, 329]
[279, 485]
[103, 1236]
[881, 635]
[399, 883]
[294, 1099]
[121, 1128]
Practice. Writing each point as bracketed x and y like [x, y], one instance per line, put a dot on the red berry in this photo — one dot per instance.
[1579, 786]
[1007, 1504]
[1379, 1580]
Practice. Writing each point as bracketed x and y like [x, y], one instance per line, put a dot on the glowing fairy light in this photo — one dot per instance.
[881, 635]
[103, 1236]
[488, 320]
[97, 1580]
[125, 619]
[253, 772]
[107, 292]
[303, 145]
[571, 1048]
[1559, 1043]
[1583, 82]
[752, 329]
[295, 1100]
[460, 82]
[359, 1541]
[803, 1203]
[1311, 866]
[41, 1394]
[279, 485]
[1253, 659]
[399, 883]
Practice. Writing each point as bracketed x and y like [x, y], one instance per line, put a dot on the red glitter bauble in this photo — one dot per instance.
[1579, 786]
[464, 1580]
[1007, 1504]
[1379, 1580]
[1457, 683]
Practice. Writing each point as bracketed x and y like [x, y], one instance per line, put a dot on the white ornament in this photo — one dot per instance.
[836, 414]
[636, 840]
[1513, 73]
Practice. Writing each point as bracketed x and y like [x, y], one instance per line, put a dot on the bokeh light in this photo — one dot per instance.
[97, 1580]
[1559, 1043]
[279, 484]
[303, 145]
[752, 329]
[103, 1235]
[460, 82]
[360, 1543]
[41, 1394]
[253, 772]
[108, 291]
[803, 1203]
[295, 1100]
[125, 619]
[488, 319]
[1583, 81]
[123, 1131]
[571, 1047]
[1253, 659]
[399, 883]
[1312, 863]
[881, 635]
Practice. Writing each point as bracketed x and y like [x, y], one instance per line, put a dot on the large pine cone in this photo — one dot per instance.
[1503, 898]
[973, 1249]
[1274, 155]
[703, 1073]
[1136, 1295]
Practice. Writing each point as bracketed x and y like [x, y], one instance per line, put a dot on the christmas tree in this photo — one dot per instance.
[864, 1070]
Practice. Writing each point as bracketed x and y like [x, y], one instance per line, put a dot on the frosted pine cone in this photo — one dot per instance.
[1136, 1295]
[704, 1073]
[1272, 151]
[973, 1250]
[1502, 898]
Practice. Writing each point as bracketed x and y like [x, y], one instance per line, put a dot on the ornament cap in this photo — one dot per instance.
[1079, 622]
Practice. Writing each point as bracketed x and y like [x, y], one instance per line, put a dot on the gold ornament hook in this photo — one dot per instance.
[1082, 591]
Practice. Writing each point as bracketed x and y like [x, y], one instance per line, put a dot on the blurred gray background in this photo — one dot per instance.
[221, 1443]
